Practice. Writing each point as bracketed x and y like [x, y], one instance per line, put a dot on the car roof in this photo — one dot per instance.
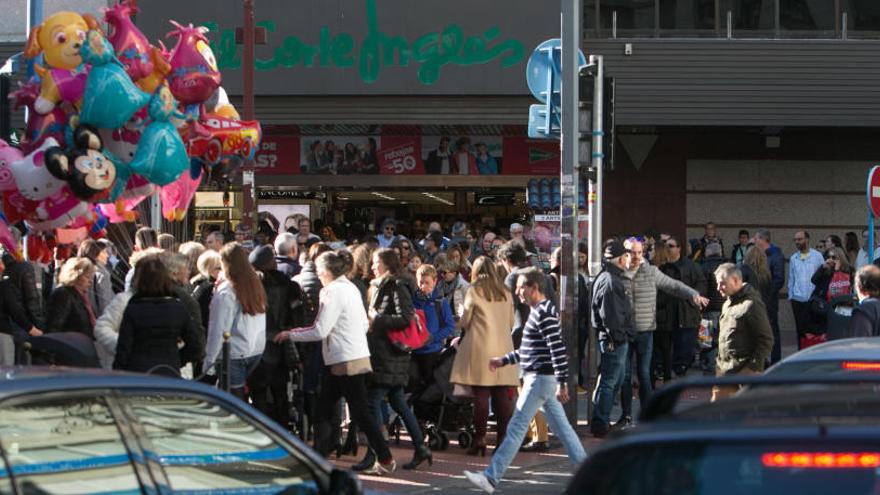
[15, 380]
[857, 349]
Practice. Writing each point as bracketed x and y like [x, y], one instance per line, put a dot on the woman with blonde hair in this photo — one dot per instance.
[486, 324]
[192, 250]
[359, 274]
[69, 309]
[756, 272]
[239, 307]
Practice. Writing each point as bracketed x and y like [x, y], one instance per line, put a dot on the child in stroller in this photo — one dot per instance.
[441, 412]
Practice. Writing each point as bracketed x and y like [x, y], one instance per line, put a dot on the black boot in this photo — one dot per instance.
[367, 462]
[422, 454]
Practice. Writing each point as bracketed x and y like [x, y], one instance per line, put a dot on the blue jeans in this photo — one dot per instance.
[397, 401]
[640, 352]
[241, 368]
[538, 393]
[611, 371]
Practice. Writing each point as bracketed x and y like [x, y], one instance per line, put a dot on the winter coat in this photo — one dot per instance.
[486, 334]
[288, 266]
[643, 286]
[865, 320]
[716, 300]
[148, 336]
[101, 291]
[691, 275]
[822, 280]
[776, 263]
[107, 328]
[440, 324]
[454, 293]
[22, 281]
[392, 300]
[68, 312]
[745, 338]
[283, 303]
[203, 290]
[311, 288]
[612, 314]
[11, 310]
[765, 289]
[247, 332]
[184, 294]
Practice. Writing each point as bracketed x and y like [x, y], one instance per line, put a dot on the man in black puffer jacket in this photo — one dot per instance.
[684, 315]
[283, 311]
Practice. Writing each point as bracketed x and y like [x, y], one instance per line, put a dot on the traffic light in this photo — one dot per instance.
[585, 118]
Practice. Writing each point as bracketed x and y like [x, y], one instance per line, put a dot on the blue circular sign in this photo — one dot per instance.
[544, 70]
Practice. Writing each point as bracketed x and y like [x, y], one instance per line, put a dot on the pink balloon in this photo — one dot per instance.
[53, 212]
[132, 47]
[8, 154]
[194, 76]
[122, 210]
[39, 126]
[177, 195]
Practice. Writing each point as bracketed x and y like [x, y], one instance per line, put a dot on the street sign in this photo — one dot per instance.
[874, 190]
[544, 79]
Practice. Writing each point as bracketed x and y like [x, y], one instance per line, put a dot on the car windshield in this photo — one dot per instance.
[718, 469]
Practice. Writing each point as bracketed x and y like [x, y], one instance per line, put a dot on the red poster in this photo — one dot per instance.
[524, 156]
[278, 155]
[401, 155]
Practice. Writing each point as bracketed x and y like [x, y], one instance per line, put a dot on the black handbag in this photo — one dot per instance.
[818, 305]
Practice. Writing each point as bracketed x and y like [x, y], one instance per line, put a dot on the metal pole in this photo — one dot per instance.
[568, 184]
[248, 189]
[595, 194]
[869, 249]
[156, 212]
[224, 365]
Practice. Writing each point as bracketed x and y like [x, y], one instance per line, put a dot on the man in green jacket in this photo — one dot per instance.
[745, 337]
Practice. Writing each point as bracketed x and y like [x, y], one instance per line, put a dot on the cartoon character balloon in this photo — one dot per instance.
[111, 98]
[130, 44]
[59, 38]
[39, 126]
[161, 154]
[8, 154]
[33, 179]
[194, 76]
[177, 195]
[85, 167]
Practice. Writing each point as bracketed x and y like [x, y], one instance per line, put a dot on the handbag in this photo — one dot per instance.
[413, 336]
[818, 305]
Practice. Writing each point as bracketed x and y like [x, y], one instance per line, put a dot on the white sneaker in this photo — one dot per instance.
[379, 469]
[480, 481]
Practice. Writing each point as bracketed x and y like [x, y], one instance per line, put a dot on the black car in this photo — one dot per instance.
[778, 436]
[94, 432]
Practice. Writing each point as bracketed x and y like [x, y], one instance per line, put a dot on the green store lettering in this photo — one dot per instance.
[431, 51]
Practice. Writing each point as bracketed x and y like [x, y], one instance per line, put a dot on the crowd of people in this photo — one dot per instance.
[325, 308]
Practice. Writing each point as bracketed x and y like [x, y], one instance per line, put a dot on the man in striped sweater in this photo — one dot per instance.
[544, 364]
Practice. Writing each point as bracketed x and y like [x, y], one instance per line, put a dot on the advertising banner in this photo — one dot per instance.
[401, 155]
[278, 155]
[531, 156]
[463, 155]
[340, 155]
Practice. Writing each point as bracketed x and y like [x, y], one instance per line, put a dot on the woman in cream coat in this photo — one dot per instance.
[486, 324]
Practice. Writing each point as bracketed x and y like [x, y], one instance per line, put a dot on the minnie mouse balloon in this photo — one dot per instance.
[161, 154]
[111, 98]
[90, 172]
[194, 76]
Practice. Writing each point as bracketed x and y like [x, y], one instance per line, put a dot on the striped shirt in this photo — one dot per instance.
[542, 350]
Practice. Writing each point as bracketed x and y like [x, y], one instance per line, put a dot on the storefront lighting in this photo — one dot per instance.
[438, 198]
[384, 196]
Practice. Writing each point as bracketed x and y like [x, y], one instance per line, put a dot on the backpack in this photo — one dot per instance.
[413, 336]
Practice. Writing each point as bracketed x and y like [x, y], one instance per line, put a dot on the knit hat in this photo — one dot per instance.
[261, 256]
[614, 249]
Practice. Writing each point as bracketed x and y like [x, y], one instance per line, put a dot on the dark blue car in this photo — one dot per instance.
[93, 432]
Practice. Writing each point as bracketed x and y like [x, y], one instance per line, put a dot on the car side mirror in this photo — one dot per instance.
[344, 482]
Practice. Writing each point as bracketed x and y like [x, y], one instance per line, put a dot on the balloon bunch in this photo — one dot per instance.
[114, 118]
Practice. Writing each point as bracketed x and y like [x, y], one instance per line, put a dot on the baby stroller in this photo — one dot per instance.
[440, 411]
[64, 349]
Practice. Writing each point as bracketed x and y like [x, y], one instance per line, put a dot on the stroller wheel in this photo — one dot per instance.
[444, 441]
[464, 439]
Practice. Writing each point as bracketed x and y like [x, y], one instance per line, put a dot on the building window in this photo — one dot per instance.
[863, 17]
[751, 17]
[634, 17]
[806, 18]
[695, 17]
